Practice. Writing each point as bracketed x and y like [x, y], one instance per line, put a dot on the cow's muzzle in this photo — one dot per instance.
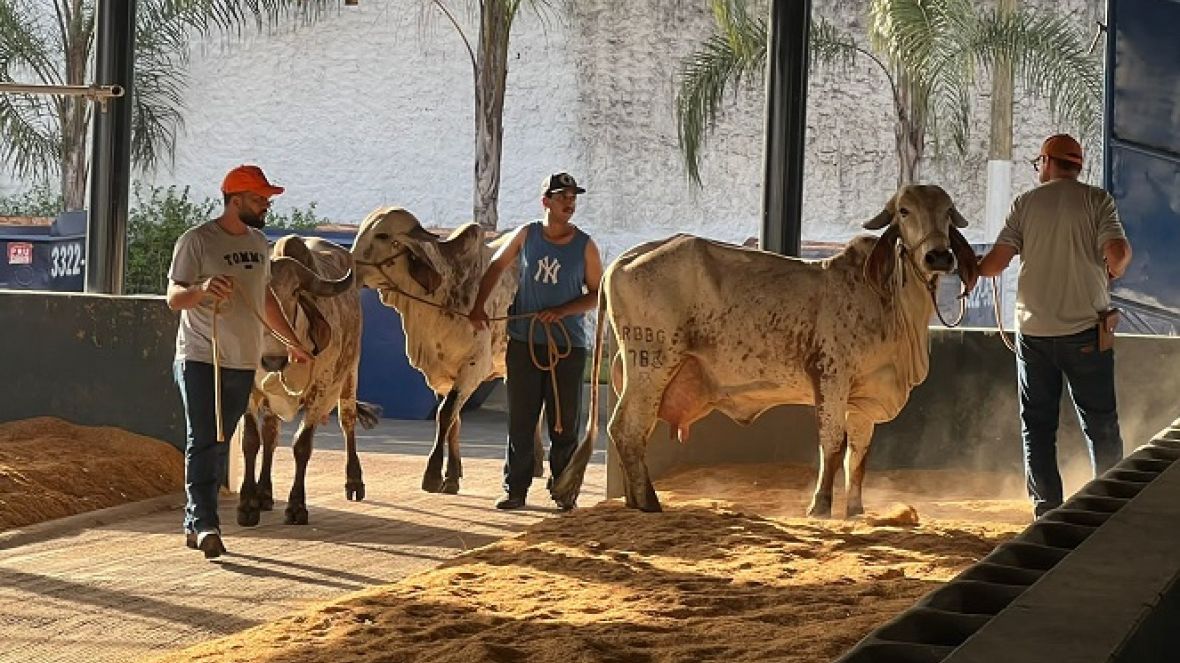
[274, 363]
[940, 260]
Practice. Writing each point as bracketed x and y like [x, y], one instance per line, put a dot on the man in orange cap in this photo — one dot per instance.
[1071, 244]
[222, 268]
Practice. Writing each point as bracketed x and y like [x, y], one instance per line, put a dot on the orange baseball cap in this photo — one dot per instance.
[1064, 147]
[249, 178]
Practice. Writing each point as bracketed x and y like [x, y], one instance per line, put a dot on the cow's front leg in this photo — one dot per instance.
[296, 511]
[860, 436]
[450, 483]
[270, 442]
[829, 415]
[249, 512]
[432, 479]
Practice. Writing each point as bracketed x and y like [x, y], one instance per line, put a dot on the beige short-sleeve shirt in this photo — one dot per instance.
[1059, 229]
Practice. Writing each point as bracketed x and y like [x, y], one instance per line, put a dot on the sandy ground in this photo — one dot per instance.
[50, 468]
[728, 572]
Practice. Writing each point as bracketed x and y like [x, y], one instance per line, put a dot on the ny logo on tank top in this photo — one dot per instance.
[547, 270]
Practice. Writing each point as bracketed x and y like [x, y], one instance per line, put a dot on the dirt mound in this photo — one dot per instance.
[51, 468]
[728, 572]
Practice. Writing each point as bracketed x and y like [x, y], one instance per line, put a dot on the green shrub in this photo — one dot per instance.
[157, 219]
[41, 200]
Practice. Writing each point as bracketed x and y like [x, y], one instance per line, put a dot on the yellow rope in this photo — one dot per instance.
[217, 374]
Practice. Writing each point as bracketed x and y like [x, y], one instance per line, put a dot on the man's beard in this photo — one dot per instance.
[253, 220]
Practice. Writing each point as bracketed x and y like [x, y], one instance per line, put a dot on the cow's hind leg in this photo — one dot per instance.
[630, 426]
[354, 484]
[270, 442]
[860, 435]
[829, 415]
[432, 478]
[296, 512]
[249, 511]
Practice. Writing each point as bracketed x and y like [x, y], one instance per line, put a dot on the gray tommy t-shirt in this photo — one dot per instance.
[1059, 229]
[206, 251]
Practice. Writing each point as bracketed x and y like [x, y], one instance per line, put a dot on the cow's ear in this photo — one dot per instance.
[422, 270]
[965, 257]
[318, 329]
[882, 261]
[884, 217]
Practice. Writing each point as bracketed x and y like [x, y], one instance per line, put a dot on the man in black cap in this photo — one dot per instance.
[560, 271]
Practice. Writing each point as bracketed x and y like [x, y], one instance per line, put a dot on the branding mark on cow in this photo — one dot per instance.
[638, 334]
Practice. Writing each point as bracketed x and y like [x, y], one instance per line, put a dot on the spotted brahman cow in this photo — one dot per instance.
[314, 283]
[701, 325]
[432, 282]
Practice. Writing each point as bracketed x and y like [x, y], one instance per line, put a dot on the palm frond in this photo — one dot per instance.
[31, 145]
[732, 54]
[158, 91]
[1050, 58]
[26, 50]
[207, 16]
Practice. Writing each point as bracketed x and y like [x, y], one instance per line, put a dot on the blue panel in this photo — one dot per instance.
[1147, 73]
[1148, 194]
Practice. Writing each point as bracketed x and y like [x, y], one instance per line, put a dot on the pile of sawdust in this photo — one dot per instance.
[730, 571]
[50, 468]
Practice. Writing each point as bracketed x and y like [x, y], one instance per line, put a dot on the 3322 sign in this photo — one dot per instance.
[65, 260]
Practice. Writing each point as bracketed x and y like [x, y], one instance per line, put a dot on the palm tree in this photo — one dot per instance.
[489, 68]
[930, 51]
[51, 43]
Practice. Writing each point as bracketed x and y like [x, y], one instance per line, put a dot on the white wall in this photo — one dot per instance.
[373, 106]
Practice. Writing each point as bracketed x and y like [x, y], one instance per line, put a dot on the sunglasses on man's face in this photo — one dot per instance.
[1036, 163]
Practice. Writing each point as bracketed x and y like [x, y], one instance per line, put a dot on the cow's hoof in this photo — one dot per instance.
[653, 507]
[432, 484]
[450, 486]
[248, 516]
[296, 515]
[266, 500]
[820, 509]
[354, 491]
[853, 511]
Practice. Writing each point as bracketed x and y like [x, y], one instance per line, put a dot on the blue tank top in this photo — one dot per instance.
[550, 275]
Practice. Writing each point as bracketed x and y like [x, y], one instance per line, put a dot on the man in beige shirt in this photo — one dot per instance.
[1071, 244]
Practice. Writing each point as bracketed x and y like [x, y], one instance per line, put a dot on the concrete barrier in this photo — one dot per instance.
[94, 360]
[1095, 580]
[965, 414]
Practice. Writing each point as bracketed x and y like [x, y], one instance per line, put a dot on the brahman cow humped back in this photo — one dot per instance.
[432, 282]
[701, 325]
[313, 281]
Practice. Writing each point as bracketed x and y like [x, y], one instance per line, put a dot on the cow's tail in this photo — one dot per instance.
[569, 484]
[368, 414]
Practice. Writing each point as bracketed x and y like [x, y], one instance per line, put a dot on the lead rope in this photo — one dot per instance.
[553, 351]
[931, 288]
[999, 314]
[217, 374]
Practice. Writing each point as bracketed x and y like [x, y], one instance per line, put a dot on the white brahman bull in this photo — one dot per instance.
[314, 283]
[432, 282]
[701, 325]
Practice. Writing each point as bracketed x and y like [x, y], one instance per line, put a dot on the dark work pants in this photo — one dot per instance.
[528, 387]
[205, 459]
[1043, 363]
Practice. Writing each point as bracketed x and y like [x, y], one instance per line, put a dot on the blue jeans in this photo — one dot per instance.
[1041, 363]
[205, 459]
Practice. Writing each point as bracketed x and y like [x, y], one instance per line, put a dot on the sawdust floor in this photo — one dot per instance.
[50, 468]
[729, 572]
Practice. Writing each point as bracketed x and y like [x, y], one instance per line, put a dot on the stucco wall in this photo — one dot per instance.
[373, 106]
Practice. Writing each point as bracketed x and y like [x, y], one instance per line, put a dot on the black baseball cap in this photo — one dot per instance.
[559, 182]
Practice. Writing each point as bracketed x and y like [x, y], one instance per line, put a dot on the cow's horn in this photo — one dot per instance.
[314, 283]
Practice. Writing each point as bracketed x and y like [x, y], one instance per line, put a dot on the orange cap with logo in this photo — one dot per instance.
[249, 178]
[1063, 147]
